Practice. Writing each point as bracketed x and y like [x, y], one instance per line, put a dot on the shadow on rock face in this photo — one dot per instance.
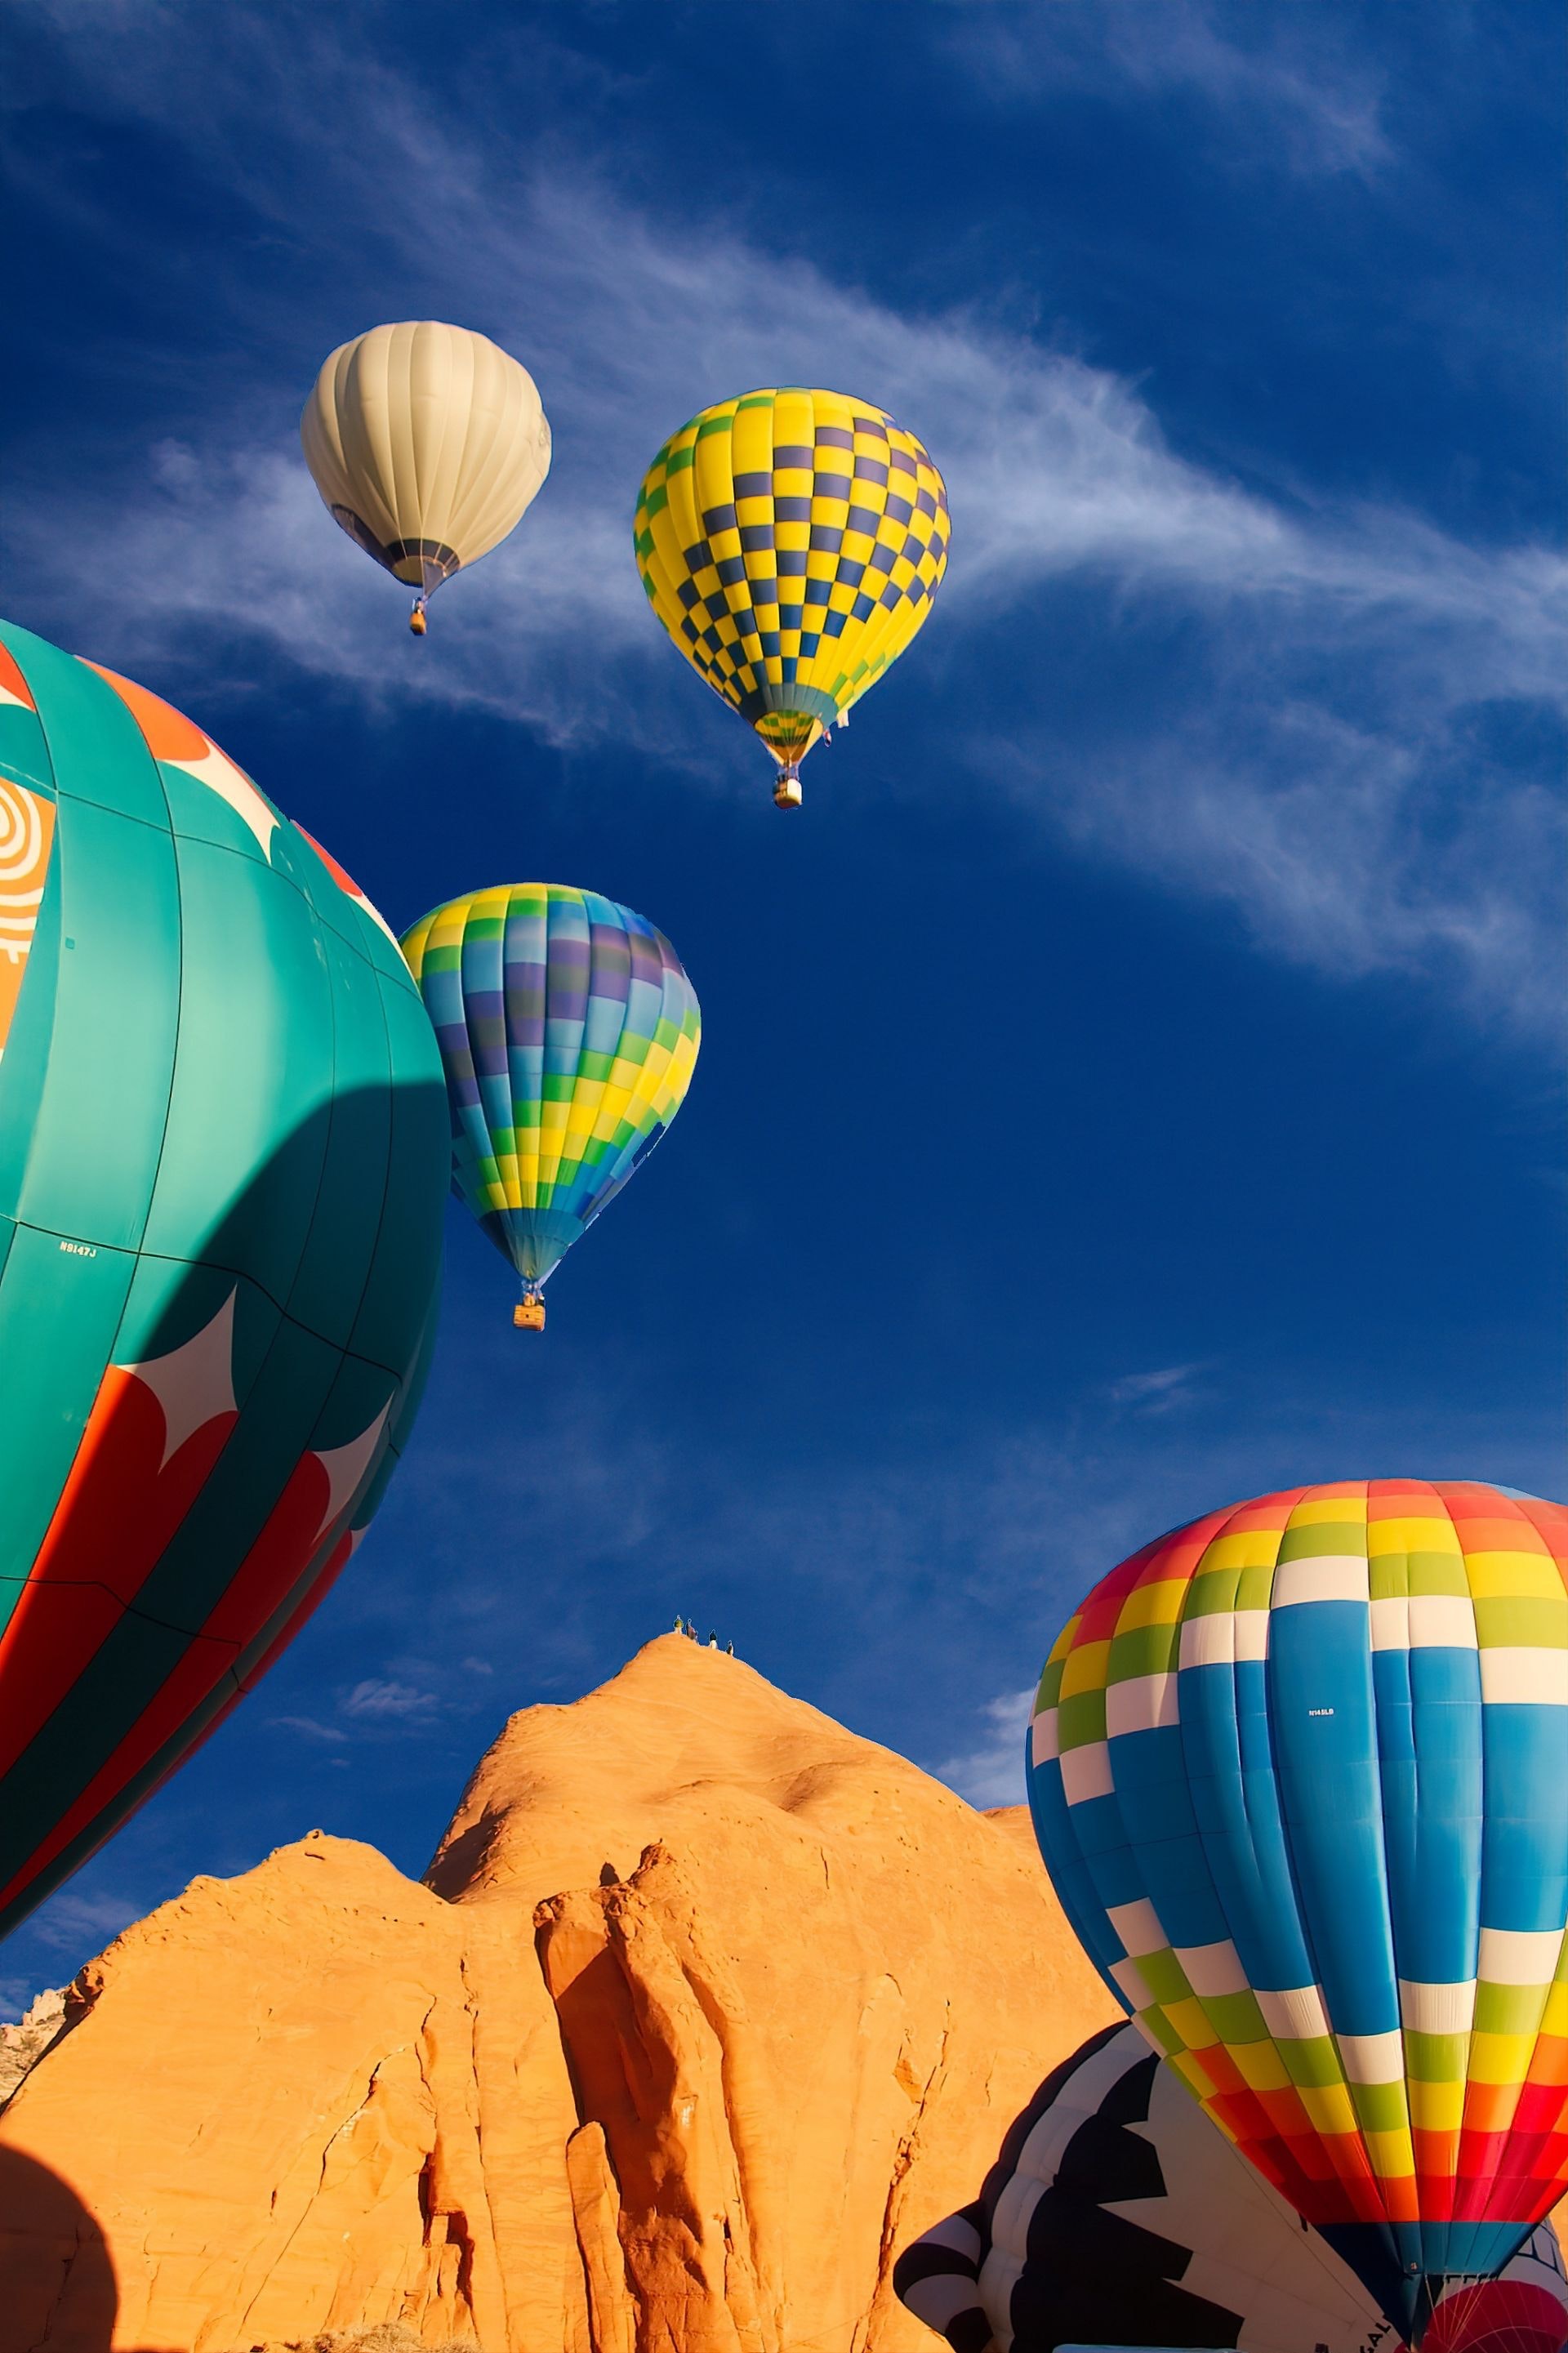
[56, 2281]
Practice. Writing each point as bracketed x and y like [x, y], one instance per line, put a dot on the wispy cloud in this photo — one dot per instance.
[372, 1705]
[943, 1559]
[993, 1773]
[310, 1727]
[74, 1920]
[391, 1703]
[1158, 1392]
[1290, 94]
[1329, 753]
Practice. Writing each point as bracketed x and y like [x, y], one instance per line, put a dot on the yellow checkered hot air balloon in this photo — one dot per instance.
[791, 542]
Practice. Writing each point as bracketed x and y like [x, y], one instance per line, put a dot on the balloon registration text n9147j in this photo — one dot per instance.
[791, 542]
[569, 1032]
[428, 444]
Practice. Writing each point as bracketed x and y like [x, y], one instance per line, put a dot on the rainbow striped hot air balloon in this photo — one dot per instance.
[1299, 1772]
[569, 1032]
[222, 1169]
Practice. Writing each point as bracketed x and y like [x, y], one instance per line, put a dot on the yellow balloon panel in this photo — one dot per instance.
[791, 542]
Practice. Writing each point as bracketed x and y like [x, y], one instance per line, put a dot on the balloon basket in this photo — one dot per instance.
[417, 622]
[528, 1316]
[787, 791]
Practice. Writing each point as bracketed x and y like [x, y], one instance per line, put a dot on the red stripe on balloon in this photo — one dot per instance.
[117, 1514]
[274, 1565]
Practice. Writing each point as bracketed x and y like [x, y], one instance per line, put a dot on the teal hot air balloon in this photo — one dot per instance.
[1299, 1772]
[223, 1159]
[569, 1031]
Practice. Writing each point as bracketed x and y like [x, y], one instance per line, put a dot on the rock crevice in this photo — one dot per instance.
[532, 2106]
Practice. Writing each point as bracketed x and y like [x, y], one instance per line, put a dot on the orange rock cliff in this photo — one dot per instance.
[704, 2009]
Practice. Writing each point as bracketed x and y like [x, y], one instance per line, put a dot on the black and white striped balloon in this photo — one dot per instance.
[1117, 2214]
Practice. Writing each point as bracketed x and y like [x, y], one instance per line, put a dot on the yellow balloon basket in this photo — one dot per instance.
[528, 1316]
[417, 622]
[787, 789]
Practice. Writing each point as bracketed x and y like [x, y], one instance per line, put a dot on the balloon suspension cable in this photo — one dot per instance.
[528, 1316]
[786, 785]
[416, 620]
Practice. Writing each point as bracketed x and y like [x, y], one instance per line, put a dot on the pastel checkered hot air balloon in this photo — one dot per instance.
[791, 542]
[569, 1031]
[1299, 1772]
[1116, 2215]
[223, 1160]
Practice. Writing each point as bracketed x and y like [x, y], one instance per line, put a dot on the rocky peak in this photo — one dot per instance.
[706, 2006]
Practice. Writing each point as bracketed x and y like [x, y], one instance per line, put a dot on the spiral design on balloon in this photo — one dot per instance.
[21, 835]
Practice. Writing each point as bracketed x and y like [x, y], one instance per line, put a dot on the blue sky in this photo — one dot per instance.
[1133, 1082]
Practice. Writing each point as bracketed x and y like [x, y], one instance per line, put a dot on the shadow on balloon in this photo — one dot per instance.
[264, 1374]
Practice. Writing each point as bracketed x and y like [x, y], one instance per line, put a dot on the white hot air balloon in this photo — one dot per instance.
[428, 444]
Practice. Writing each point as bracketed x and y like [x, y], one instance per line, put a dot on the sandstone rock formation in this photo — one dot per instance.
[22, 2044]
[705, 2007]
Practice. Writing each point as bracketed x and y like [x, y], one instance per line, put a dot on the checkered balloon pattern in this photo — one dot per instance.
[569, 1032]
[791, 542]
[1300, 1773]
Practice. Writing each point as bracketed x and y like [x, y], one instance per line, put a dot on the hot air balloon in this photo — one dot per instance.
[569, 1032]
[429, 445]
[1117, 2214]
[791, 542]
[223, 1160]
[1299, 1772]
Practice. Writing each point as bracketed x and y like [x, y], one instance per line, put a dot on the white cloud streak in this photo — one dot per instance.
[1290, 95]
[1317, 762]
[1159, 1392]
[385, 1702]
[311, 1727]
[993, 1774]
[73, 1920]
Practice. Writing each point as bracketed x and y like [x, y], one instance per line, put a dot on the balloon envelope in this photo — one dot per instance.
[569, 1032]
[428, 443]
[791, 542]
[1299, 1772]
[1117, 2214]
[222, 1165]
